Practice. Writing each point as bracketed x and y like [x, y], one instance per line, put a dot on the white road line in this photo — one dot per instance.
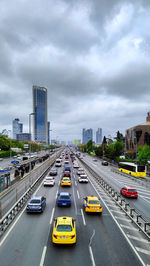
[127, 239]
[56, 194]
[11, 228]
[75, 183]
[147, 252]
[92, 257]
[116, 211]
[83, 217]
[78, 194]
[138, 239]
[112, 206]
[144, 199]
[52, 215]
[121, 218]
[43, 256]
[59, 183]
[74, 201]
[129, 227]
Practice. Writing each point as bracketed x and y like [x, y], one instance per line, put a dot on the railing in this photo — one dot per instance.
[132, 213]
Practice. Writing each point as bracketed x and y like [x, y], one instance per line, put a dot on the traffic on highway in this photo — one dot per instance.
[73, 221]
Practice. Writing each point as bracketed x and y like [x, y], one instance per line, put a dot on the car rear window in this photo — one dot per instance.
[94, 202]
[35, 201]
[64, 197]
[132, 190]
[82, 176]
[64, 228]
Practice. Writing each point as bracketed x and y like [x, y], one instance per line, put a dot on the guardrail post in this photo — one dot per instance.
[16, 194]
[131, 210]
[127, 204]
[137, 219]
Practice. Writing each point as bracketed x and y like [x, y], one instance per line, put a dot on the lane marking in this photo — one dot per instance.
[113, 217]
[128, 227]
[75, 183]
[56, 194]
[83, 217]
[76, 211]
[43, 256]
[138, 239]
[91, 255]
[111, 205]
[78, 194]
[52, 215]
[147, 252]
[121, 218]
[116, 211]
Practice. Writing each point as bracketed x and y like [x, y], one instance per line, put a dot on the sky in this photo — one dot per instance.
[92, 56]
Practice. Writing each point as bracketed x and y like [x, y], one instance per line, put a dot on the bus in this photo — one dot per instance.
[132, 169]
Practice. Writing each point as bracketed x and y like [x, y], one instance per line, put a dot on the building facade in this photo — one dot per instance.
[99, 135]
[16, 127]
[24, 137]
[138, 136]
[87, 134]
[40, 123]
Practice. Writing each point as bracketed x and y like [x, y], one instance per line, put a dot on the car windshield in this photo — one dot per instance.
[64, 197]
[82, 176]
[64, 228]
[35, 201]
[48, 178]
[94, 202]
[132, 190]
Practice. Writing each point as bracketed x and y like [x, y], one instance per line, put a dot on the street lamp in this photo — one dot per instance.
[10, 143]
[30, 140]
[30, 123]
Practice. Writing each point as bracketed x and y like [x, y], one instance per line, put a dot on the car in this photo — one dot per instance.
[75, 165]
[66, 157]
[67, 174]
[1, 159]
[83, 179]
[105, 163]
[64, 230]
[58, 162]
[53, 172]
[67, 168]
[66, 162]
[92, 204]
[129, 192]
[94, 160]
[80, 171]
[36, 204]
[49, 181]
[65, 181]
[64, 199]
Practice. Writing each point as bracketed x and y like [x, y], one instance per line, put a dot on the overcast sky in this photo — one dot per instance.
[92, 56]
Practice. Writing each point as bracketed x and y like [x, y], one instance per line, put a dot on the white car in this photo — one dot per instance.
[49, 181]
[66, 162]
[75, 165]
[83, 179]
[80, 171]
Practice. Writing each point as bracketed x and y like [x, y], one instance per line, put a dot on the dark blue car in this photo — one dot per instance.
[36, 204]
[64, 199]
[68, 168]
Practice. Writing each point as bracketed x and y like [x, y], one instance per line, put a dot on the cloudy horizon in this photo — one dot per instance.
[92, 56]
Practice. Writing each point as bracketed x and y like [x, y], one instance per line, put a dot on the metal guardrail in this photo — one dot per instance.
[132, 213]
[16, 208]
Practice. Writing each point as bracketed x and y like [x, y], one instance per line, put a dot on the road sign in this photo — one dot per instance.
[26, 146]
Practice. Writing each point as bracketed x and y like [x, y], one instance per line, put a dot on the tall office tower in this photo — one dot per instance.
[48, 133]
[40, 124]
[16, 127]
[99, 135]
[87, 134]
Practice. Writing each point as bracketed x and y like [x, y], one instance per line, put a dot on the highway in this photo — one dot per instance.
[117, 181]
[101, 239]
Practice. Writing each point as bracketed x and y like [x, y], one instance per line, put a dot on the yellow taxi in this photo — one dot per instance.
[65, 181]
[92, 204]
[64, 230]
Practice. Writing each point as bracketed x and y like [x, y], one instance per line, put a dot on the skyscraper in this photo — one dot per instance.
[87, 134]
[40, 123]
[99, 135]
[16, 127]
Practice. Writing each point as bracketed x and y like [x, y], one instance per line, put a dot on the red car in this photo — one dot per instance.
[66, 174]
[66, 157]
[129, 192]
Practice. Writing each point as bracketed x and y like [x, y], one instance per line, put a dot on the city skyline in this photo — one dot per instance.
[92, 56]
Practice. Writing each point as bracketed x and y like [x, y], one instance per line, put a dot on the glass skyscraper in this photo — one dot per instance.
[99, 135]
[40, 114]
[87, 134]
[17, 127]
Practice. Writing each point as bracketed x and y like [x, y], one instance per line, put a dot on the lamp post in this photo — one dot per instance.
[10, 143]
[30, 143]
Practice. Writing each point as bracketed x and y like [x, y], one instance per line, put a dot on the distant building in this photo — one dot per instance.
[16, 127]
[87, 134]
[48, 133]
[53, 141]
[138, 135]
[63, 142]
[40, 117]
[24, 137]
[99, 135]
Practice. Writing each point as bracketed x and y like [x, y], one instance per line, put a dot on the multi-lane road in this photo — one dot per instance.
[101, 239]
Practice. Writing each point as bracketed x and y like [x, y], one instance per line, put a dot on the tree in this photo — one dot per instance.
[143, 154]
[104, 140]
[90, 146]
[119, 136]
[99, 151]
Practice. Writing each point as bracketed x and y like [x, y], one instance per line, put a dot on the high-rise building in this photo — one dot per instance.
[99, 135]
[16, 127]
[24, 137]
[87, 134]
[40, 123]
[48, 133]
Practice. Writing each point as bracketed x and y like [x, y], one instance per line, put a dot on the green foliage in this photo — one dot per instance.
[143, 154]
[90, 146]
[99, 151]
[119, 136]
[104, 140]
[4, 154]
[4, 143]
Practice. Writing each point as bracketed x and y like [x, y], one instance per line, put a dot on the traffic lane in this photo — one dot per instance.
[103, 233]
[25, 242]
[141, 204]
[69, 255]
